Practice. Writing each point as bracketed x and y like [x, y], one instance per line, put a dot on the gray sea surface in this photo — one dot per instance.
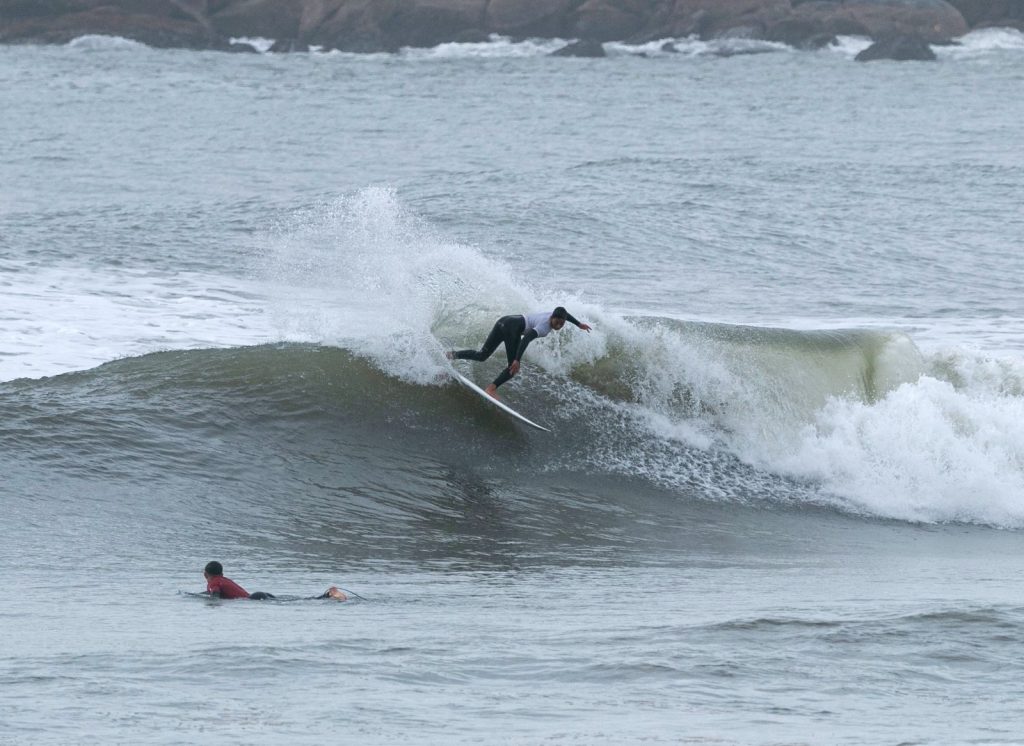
[784, 494]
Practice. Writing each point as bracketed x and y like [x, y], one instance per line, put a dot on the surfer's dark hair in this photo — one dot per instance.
[560, 313]
[214, 568]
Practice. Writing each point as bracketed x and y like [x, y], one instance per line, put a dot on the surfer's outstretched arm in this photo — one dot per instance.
[573, 320]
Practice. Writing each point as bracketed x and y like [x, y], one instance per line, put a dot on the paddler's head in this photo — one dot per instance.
[213, 569]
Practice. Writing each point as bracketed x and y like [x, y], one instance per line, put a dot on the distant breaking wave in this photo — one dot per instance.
[975, 44]
[100, 42]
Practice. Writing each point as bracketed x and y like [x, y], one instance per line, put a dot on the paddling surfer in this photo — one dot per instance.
[516, 332]
[220, 587]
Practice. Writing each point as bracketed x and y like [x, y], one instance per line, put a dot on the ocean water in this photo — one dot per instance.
[783, 499]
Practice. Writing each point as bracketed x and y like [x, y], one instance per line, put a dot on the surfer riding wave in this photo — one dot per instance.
[516, 332]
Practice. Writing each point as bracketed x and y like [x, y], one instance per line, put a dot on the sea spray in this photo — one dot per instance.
[926, 452]
[364, 273]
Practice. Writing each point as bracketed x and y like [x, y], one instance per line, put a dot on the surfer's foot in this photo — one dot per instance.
[334, 593]
[492, 391]
[450, 354]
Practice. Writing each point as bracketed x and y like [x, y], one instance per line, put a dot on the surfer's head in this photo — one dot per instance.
[558, 318]
[213, 569]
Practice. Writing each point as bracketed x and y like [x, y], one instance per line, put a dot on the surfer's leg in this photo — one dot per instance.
[513, 335]
[490, 344]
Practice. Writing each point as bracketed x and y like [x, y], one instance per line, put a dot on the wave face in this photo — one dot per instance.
[855, 420]
[363, 298]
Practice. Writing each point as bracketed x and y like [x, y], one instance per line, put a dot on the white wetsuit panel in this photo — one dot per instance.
[539, 322]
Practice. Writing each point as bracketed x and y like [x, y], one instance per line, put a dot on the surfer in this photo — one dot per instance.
[220, 587]
[516, 332]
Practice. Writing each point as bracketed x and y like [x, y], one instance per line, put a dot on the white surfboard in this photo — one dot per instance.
[500, 405]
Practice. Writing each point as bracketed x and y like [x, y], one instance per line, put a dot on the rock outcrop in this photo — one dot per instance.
[158, 24]
[989, 13]
[898, 48]
[387, 25]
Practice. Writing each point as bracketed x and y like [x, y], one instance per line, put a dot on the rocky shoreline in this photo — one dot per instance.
[389, 25]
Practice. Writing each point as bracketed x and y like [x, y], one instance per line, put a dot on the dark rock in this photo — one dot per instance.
[898, 48]
[387, 25]
[581, 49]
[314, 14]
[982, 13]
[154, 31]
[709, 18]
[11, 10]
[21, 9]
[471, 36]
[427, 23]
[357, 26]
[804, 32]
[522, 19]
[607, 20]
[271, 19]
[669, 47]
[740, 32]
[704, 23]
[932, 20]
[1016, 23]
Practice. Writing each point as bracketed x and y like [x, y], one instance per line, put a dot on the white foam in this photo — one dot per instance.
[363, 273]
[926, 452]
[259, 43]
[850, 46]
[694, 47]
[896, 434]
[100, 42]
[972, 45]
[982, 42]
[63, 318]
[496, 47]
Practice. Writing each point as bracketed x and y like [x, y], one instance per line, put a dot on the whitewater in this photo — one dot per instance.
[784, 496]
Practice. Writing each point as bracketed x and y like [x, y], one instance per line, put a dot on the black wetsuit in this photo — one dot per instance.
[510, 330]
[264, 596]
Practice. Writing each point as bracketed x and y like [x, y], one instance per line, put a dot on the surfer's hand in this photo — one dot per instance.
[585, 327]
[514, 367]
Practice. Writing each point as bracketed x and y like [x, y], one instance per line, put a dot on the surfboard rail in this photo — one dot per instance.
[499, 404]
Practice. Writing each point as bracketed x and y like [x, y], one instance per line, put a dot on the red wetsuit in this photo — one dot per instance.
[225, 587]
